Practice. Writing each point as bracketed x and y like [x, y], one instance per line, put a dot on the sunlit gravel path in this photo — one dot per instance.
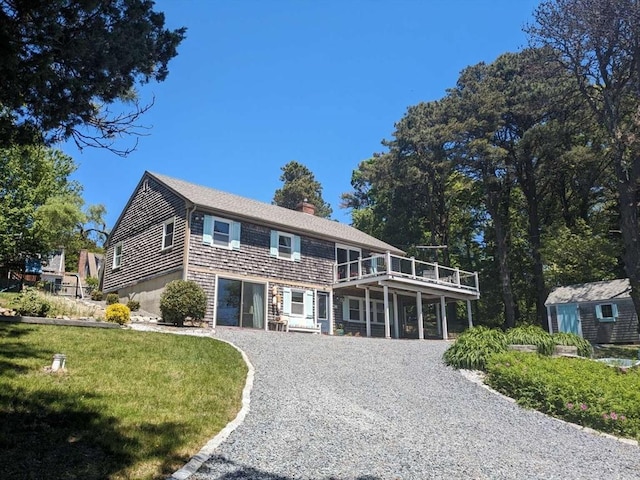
[357, 408]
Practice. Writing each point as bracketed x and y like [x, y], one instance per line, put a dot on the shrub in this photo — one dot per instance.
[92, 283]
[531, 335]
[133, 305]
[112, 298]
[117, 313]
[474, 347]
[97, 295]
[584, 347]
[581, 391]
[183, 299]
[30, 303]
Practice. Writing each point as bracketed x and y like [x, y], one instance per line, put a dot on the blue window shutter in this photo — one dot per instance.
[345, 309]
[296, 248]
[614, 311]
[274, 245]
[308, 305]
[599, 312]
[207, 230]
[286, 301]
[235, 235]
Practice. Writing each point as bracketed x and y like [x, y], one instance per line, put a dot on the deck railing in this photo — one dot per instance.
[407, 267]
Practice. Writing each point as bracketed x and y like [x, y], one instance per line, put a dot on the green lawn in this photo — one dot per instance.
[130, 404]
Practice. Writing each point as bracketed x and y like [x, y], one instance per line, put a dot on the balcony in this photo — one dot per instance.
[407, 274]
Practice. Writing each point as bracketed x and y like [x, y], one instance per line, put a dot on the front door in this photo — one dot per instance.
[569, 318]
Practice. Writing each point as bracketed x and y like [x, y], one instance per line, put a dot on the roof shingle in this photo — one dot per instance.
[272, 215]
[590, 292]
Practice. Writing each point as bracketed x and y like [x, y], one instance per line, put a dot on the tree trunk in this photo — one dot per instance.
[629, 204]
[496, 206]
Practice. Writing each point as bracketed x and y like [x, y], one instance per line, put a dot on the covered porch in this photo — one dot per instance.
[378, 293]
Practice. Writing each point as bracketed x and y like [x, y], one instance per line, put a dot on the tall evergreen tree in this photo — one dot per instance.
[299, 184]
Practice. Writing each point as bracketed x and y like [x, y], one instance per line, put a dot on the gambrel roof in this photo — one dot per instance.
[590, 292]
[223, 203]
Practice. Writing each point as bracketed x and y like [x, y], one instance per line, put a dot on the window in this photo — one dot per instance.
[607, 312]
[298, 306]
[354, 310]
[297, 302]
[167, 234]
[285, 245]
[347, 260]
[221, 232]
[117, 255]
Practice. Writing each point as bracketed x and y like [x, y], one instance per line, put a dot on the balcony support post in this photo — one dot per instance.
[420, 316]
[387, 313]
[367, 311]
[396, 327]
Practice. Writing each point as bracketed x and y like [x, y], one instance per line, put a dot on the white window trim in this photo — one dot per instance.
[164, 234]
[234, 233]
[296, 245]
[117, 259]
[348, 248]
[308, 310]
[361, 304]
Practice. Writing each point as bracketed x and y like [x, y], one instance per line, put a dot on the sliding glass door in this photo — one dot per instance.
[240, 304]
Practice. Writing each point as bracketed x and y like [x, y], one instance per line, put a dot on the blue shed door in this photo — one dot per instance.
[569, 319]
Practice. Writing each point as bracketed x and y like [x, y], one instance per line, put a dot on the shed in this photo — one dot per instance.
[601, 312]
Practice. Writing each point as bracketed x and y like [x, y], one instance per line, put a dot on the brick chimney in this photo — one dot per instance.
[306, 207]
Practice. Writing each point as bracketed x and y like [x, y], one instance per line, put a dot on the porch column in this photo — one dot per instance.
[330, 312]
[387, 328]
[396, 327]
[367, 311]
[420, 317]
[549, 320]
[443, 309]
[469, 314]
[438, 323]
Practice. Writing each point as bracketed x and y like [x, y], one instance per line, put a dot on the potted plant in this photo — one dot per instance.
[339, 329]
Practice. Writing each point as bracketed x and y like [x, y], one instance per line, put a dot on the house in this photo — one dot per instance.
[601, 312]
[261, 264]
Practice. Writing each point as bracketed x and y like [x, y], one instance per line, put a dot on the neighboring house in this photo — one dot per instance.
[260, 263]
[89, 264]
[601, 312]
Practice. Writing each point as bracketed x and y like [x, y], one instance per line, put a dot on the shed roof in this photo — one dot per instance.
[590, 292]
[272, 215]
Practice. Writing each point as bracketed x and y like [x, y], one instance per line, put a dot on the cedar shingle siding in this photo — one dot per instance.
[254, 259]
[140, 230]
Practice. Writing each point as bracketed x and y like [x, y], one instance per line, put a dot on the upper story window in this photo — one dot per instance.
[285, 245]
[607, 312]
[167, 234]
[347, 260]
[221, 232]
[117, 255]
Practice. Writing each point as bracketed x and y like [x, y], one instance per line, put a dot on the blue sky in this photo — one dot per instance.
[259, 83]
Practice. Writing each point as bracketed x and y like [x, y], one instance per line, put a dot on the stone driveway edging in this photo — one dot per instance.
[207, 451]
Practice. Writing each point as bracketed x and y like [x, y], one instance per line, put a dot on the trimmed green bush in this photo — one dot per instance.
[92, 283]
[133, 305]
[584, 347]
[112, 298]
[30, 303]
[531, 335]
[581, 391]
[474, 347]
[117, 313]
[181, 300]
[97, 295]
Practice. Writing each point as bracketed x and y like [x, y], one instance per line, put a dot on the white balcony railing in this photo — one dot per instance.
[404, 267]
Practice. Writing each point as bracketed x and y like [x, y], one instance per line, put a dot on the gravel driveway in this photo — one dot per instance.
[358, 408]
